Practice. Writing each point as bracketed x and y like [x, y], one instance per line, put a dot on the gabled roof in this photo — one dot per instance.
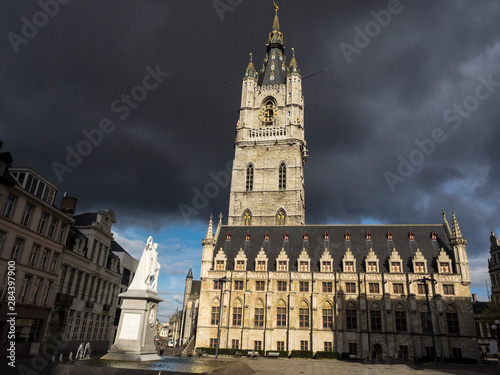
[336, 244]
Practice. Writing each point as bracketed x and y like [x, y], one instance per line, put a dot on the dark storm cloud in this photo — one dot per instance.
[360, 115]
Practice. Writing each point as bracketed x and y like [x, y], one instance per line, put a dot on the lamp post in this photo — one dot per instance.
[496, 327]
[424, 280]
[221, 284]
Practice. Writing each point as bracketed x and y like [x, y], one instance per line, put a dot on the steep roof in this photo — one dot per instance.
[85, 219]
[336, 243]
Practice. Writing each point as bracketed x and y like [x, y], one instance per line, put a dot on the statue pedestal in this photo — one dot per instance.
[136, 330]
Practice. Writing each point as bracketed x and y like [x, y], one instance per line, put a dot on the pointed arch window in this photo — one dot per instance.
[249, 184]
[400, 318]
[351, 316]
[303, 315]
[452, 320]
[375, 317]
[327, 315]
[282, 177]
[280, 217]
[247, 217]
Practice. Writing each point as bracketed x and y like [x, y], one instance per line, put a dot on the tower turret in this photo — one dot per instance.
[208, 250]
[458, 244]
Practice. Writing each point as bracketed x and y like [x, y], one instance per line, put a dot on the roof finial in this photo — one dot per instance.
[276, 6]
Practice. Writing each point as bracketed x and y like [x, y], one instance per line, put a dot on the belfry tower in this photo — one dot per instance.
[267, 185]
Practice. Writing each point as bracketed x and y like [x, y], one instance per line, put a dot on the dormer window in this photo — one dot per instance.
[371, 267]
[389, 236]
[411, 236]
[325, 236]
[304, 261]
[349, 261]
[371, 262]
[261, 261]
[395, 262]
[220, 261]
[326, 266]
[306, 236]
[282, 265]
[368, 236]
[247, 237]
[395, 267]
[228, 236]
[240, 261]
[444, 267]
[419, 267]
[326, 261]
[433, 236]
[266, 237]
[349, 266]
[444, 262]
[419, 262]
[285, 236]
[347, 237]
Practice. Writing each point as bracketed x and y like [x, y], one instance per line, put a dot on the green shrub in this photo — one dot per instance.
[326, 355]
[301, 354]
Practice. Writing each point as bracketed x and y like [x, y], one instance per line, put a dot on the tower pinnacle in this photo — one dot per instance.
[456, 235]
[251, 72]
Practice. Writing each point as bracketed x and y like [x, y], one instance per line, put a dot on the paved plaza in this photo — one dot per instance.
[268, 366]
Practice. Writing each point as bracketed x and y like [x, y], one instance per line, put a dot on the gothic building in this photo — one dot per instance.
[357, 289]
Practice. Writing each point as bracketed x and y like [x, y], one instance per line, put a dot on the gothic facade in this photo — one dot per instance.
[274, 283]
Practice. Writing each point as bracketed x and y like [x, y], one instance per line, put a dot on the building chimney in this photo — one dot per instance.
[474, 298]
[68, 204]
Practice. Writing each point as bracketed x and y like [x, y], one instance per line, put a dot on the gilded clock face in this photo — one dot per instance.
[268, 112]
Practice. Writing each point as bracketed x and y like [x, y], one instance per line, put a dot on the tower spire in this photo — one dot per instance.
[210, 230]
[294, 67]
[456, 235]
[275, 36]
[251, 72]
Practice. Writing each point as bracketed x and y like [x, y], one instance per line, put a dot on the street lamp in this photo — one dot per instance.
[496, 327]
[424, 280]
[221, 282]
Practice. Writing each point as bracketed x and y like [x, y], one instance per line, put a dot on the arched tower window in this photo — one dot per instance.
[247, 217]
[249, 185]
[280, 217]
[282, 177]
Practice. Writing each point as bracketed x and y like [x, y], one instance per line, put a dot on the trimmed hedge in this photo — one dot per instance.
[326, 355]
[283, 354]
[301, 354]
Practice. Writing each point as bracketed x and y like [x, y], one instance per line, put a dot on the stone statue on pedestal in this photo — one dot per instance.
[137, 326]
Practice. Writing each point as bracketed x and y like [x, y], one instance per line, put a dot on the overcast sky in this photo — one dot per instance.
[403, 123]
